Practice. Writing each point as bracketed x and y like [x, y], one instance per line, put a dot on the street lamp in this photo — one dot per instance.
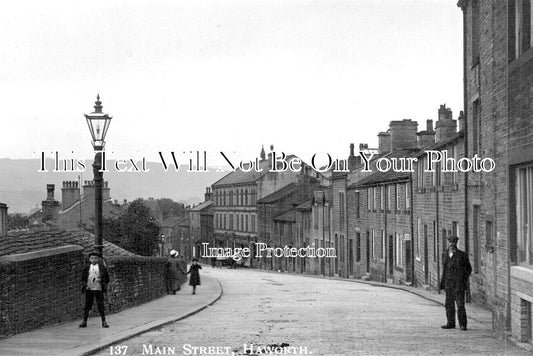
[98, 123]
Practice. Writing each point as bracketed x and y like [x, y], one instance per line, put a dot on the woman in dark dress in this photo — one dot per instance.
[194, 280]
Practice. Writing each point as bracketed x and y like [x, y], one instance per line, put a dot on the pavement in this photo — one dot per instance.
[67, 339]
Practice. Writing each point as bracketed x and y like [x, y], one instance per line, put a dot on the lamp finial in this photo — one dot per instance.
[98, 106]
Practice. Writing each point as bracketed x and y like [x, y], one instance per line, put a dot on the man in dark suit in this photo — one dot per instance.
[94, 282]
[455, 273]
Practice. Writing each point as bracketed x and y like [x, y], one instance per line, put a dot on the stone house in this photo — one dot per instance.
[498, 92]
[235, 198]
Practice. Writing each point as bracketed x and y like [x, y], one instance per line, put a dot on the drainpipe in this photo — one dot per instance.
[437, 237]
[350, 252]
[465, 104]
[385, 258]
[411, 216]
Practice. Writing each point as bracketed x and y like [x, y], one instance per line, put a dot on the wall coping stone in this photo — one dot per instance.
[20, 257]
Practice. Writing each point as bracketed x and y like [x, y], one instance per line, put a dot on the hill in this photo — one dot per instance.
[22, 186]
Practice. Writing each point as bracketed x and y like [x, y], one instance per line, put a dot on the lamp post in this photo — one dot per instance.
[98, 123]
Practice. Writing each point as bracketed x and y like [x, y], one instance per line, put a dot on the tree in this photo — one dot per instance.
[112, 230]
[17, 221]
[140, 232]
[169, 207]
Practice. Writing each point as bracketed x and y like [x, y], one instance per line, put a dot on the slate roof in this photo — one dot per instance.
[202, 206]
[305, 206]
[279, 194]
[27, 241]
[384, 177]
[240, 177]
[442, 143]
[289, 216]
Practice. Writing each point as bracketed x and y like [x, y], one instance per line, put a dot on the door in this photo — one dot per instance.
[391, 256]
[426, 257]
[368, 252]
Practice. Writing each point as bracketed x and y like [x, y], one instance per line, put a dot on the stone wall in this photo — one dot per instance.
[40, 288]
[44, 287]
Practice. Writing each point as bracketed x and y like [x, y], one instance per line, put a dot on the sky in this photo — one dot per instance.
[307, 76]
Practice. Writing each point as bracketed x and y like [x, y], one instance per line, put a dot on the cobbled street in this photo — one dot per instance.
[323, 317]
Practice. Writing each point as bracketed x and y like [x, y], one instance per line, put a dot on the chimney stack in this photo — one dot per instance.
[70, 193]
[270, 153]
[461, 121]
[426, 138]
[403, 134]
[208, 195]
[446, 126]
[384, 143]
[352, 159]
[50, 207]
[50, 191]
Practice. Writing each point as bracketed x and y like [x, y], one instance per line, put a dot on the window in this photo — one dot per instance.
[325, 212]
[341, 206]
[475, 32]
[247, 223]
[524, 215]
[488, 232]
[456, 158]
[420, 171]
[315, 216]
[383, 250]
[225, 225]
[391, 198]
[224, 201]
[375, 189]
[369, 198]
[398, 197]
[253, 223]
[246, 197]
[358, 247]
[418, 233]
[435, 175]
[522, 26]
[476, 127]
[382, 198]
[357, 205]
[231, 221]
[407, 197]
[435, 242]
[230, 201]
[399, 250]
[475, 236]
[373, 254]
[342, 249]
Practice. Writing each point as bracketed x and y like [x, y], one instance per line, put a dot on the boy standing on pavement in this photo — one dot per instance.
[94, 284]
